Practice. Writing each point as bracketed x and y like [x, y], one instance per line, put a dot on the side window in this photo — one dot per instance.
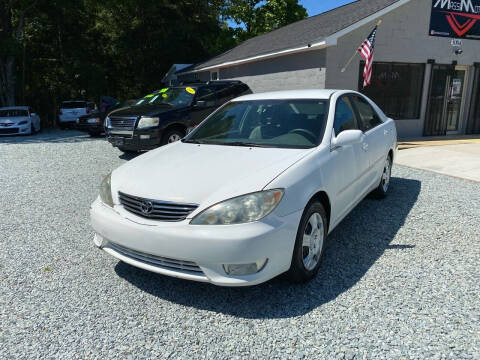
[368, 116]
[344, 116]
[206, 94]
[225, 93]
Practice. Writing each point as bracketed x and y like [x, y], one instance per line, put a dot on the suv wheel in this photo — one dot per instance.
[172, 135]
[382, 189]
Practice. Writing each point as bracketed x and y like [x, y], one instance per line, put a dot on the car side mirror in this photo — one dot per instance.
[200, 104]
[347, 137]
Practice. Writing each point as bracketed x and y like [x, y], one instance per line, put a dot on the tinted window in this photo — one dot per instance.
[270, 123]
[368, 117]
[344, 116]
[74, 105]
[396, 88]
[206, 94]
[178, 97]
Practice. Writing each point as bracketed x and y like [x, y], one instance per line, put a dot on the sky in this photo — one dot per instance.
[315, 7]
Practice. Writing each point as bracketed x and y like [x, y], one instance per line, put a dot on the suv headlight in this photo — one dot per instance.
[146, 122]
[106, 190]
[240, 210]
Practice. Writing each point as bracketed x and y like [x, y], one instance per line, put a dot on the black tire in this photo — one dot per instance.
[298, 272]
[382, 190]
[32, 129]
[175, 132]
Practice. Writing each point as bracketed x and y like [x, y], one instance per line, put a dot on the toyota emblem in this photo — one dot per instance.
[147, 207]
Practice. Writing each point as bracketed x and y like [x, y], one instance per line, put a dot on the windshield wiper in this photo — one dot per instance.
[193, 141]
[246, 144]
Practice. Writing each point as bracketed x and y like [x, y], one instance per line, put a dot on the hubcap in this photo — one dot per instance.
[387, 171]
[173, 138]
[312, 241]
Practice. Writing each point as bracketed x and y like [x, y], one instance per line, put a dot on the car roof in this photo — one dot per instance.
[289, 94]
[14, 108]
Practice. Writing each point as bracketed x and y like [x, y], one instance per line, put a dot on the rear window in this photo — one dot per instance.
[13, 113]
[74, 104]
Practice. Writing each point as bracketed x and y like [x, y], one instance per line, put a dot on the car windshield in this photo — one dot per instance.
[13, 113]
[74, 104]
[177, 97]
[265, 123]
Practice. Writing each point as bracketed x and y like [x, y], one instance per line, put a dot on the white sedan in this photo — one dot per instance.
[252, 192]
[18, 120]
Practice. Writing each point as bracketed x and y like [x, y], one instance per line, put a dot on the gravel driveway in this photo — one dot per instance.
[401, 277]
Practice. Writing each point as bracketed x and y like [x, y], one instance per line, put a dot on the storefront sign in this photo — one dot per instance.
[456, 19]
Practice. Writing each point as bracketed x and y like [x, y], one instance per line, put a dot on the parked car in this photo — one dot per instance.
[18, 120]
[94, 123]
[252, 192]
[167, 115]
[71, 110]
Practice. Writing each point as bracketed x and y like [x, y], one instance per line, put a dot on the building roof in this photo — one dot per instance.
[301, 33]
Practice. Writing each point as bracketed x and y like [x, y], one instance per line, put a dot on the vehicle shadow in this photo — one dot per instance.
[353, 247]
[49, 136]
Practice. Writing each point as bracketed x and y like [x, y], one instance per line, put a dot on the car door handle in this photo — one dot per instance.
[365, 147]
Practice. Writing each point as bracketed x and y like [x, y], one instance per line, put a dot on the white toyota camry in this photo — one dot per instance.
[252, 192]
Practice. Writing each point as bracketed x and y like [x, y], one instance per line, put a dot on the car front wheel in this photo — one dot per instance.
[309, 244]
[172, 136]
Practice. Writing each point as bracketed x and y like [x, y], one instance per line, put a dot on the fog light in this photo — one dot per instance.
[144, 137]
[244, 269]
[99, 241]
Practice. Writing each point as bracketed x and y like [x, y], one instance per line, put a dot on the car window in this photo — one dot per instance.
[368, 117]
[206, 94]
[344, 116]
[295, 123]
[74, 104]
[225, 93]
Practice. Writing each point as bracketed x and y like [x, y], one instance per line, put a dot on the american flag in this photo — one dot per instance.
[367, 50]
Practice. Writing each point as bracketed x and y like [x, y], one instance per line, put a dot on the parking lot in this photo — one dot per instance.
[400, 278]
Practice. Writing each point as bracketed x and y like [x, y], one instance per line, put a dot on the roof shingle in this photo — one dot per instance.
[300, 33]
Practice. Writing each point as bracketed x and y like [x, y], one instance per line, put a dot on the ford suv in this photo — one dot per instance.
[167, 115]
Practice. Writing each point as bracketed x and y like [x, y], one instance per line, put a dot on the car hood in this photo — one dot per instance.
[202, 174]
[143, 110]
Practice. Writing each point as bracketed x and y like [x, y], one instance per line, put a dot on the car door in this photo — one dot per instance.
[347, 164]
[204, 104]
[374, 128]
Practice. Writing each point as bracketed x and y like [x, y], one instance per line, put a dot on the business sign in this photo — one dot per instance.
[455, 19]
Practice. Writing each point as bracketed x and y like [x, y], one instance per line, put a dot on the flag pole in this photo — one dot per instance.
[355, 54]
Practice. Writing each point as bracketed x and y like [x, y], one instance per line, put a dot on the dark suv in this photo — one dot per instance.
[167, 115]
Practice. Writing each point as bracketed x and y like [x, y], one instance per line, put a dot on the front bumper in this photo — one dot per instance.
[15, 130]
[207, 247]
[135, 140]
[94, 127]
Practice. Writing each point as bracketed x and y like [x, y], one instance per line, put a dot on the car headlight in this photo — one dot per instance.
[146, 122]
[240, 210]
[106, 190]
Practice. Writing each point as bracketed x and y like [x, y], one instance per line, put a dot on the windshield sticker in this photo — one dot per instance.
[163, 90]
[149, 96]
[190, 90]
[164, 96]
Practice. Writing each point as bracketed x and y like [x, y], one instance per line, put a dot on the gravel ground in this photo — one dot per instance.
[400, 279]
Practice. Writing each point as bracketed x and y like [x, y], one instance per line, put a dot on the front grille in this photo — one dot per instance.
[9, 131]
[123, 123]
[158, 261]
[156, 210]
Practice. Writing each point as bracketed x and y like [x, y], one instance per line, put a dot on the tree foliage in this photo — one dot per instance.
[55, 50]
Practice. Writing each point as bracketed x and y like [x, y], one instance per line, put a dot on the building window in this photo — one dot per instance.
[396, 88]
[214, 75]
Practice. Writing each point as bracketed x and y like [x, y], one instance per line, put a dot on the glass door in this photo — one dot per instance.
[446, 100]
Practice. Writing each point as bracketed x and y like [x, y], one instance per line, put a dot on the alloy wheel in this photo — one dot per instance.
[313, 237]
[387, 172]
